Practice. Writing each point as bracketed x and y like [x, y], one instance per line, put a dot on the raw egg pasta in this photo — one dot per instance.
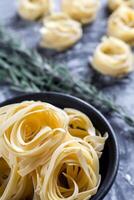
[32, 10]
[60, 32]
[84, 11]
[37, 130]
[113, 57]
[73, 172]
[47, 153]
[114, 4]
[97, 142]
[121, 24]
[79, 124]
[12, 185]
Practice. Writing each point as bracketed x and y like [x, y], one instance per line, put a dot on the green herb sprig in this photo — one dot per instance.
[27, 71]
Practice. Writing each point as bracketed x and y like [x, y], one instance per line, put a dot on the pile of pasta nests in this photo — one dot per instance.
[62, 28]
[48, 153]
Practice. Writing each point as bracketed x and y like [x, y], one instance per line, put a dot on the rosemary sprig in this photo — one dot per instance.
[26, 71]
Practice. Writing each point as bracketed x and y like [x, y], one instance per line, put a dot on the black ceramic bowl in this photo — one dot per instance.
[110, 158]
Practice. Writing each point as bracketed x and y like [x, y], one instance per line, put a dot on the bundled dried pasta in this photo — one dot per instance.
[84, 11]
[73, 173]
[60, 32]
[48, 153]
[113, 57]
[37, 129]
[114, 4]
[121, 24]
[32, 10]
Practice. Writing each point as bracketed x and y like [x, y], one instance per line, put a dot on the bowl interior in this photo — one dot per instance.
[110, 158]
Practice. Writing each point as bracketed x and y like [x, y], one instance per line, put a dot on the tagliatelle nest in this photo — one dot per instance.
[84, 11]
[40, 158]
[60, 32]
[32, 10]
[29, 119]
[113, 57]
[73, 173]
[121, 24]
[114, 4]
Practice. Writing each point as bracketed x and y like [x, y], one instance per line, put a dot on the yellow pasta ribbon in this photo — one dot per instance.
[79, 124]
[12, 185]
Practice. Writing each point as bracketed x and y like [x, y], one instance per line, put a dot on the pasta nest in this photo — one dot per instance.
[32, 10]
[48, 153]
[32, 131]
[113, 57]
[84, 11]
[121, 24]
[73, 171]
[114, 4]
[60, 32]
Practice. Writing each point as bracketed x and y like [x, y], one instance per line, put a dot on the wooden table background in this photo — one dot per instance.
[76, 59]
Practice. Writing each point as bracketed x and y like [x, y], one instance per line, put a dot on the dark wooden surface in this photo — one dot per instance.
[77, 60]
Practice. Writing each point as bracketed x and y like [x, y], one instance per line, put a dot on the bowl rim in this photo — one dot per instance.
[26, 96]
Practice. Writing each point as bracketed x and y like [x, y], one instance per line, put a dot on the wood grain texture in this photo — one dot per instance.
[76, 59]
